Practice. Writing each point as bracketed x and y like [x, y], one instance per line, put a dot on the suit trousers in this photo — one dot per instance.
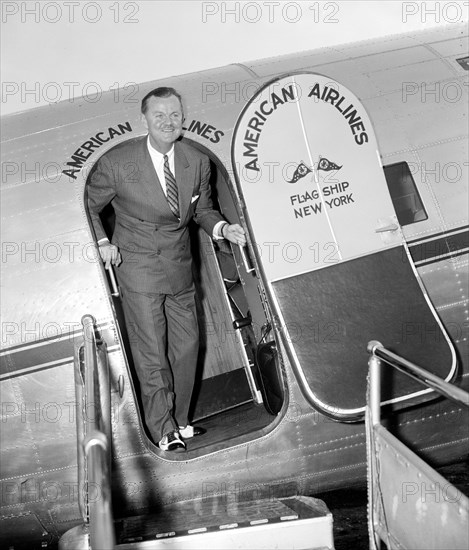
[164, 340]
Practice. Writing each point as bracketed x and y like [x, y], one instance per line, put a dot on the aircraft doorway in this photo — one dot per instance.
[239, 387]
[247, 323]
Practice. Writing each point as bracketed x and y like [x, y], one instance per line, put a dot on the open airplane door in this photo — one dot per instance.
[334, 264]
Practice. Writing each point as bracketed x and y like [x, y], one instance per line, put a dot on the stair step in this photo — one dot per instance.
[225, 522]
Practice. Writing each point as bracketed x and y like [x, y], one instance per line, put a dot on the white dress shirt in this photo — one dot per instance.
[158, 162]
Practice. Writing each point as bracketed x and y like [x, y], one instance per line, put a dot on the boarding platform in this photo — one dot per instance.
[296, 522]
[222, 521]
[212, 521]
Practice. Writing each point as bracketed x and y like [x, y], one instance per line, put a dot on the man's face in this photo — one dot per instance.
[163, 119]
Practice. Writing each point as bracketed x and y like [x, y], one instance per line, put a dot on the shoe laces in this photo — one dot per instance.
[172, 436]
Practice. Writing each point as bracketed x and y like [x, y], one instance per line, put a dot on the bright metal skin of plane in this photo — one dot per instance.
[291, 336]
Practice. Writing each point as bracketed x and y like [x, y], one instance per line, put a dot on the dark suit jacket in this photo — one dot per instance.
[154, 244]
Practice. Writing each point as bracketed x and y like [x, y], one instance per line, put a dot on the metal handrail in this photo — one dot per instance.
[96, 447]
[244, 256]
[376, 349]
[112, 277]
[375, 432]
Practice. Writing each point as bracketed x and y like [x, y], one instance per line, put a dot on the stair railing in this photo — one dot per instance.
[96, 441]
[410, 505]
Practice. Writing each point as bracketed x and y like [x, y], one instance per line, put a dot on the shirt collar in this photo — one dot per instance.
[156, 154]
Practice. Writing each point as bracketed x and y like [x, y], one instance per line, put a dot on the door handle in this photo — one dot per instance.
[391, 227]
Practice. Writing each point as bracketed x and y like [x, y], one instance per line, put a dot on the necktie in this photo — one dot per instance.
[171, 188]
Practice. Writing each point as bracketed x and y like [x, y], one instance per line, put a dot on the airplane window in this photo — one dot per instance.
[404, 194]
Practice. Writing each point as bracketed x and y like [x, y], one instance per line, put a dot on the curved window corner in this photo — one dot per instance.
[404, 193]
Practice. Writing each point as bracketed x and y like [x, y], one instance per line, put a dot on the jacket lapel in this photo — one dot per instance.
[184, 180]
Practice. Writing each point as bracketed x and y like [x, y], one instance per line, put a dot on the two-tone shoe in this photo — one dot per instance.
[191, 431]
[172, 442]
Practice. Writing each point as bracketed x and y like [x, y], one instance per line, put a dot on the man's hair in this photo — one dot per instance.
[160, 92]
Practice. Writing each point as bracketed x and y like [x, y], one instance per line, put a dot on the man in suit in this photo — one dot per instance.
[157, 185]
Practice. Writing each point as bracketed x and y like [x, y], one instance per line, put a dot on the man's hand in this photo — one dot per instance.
[109, 254]
[234, 233]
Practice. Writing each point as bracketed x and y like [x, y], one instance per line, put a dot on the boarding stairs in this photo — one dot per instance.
[285, 523]
[410, 505]
[297, 522]
[209, 523]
